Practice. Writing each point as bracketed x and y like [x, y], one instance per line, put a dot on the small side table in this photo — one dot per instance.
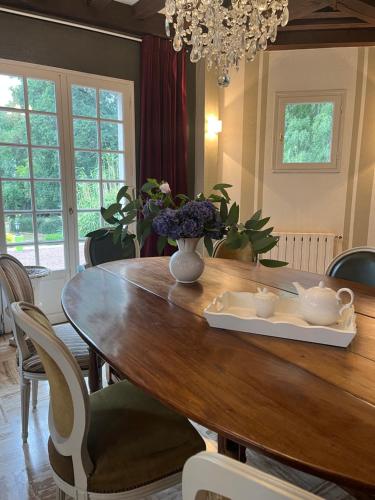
[34, 273]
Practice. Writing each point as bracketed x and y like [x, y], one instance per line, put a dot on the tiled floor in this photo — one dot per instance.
[25, 472]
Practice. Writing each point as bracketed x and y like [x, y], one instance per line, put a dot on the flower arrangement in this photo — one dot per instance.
[156, 210]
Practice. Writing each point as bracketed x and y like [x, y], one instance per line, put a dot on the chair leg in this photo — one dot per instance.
[60, 494]
[25, 404]
[34, 393]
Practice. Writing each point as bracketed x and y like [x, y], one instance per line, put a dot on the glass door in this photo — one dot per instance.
[30, 171]
[98, 114]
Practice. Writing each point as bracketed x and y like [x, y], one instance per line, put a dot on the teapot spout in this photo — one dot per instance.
[299, 288]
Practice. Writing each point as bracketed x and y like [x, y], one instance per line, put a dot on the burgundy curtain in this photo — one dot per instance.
[164, 120]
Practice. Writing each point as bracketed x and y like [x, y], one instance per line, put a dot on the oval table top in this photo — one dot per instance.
[309, 405]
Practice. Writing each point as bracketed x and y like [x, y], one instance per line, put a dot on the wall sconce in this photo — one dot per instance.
[214, 126]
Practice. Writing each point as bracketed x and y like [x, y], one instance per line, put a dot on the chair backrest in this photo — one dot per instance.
[222, 251]
[102, 249]
[214, 473]
[17, 287]
[68, 418]
[356, 264]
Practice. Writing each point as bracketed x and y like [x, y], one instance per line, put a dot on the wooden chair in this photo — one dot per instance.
[218, 474]
[17, 287]
[117, 443]
[100, 250]
[221, 251]
[356, 264]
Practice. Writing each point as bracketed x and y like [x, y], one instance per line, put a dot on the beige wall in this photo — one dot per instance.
[242, 155]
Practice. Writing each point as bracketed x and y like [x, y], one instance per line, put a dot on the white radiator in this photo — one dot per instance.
[306, 251]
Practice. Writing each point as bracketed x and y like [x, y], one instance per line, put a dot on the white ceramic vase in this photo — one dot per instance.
[186, 265]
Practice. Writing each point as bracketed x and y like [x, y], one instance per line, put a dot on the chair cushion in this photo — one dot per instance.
[71, 339]
[133, 440]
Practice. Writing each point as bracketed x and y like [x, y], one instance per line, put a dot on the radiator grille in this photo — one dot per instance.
[305, 251]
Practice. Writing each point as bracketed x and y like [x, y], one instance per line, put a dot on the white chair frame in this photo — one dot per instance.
[76, 444]
[86, 251]
[27, 379]
[344, 254]
[218, 474]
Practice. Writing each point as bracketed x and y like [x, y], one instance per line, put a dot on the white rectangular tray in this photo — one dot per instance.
[236, 311]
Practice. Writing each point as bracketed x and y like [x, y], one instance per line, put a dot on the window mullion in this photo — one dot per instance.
[32, 185]
[99, 148]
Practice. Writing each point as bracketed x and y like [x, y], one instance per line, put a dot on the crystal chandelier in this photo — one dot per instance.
[224, 31]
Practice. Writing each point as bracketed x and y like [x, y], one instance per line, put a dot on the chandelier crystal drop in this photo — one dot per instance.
[224, 31]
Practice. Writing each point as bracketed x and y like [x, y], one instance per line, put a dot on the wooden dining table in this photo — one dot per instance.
[308, 405]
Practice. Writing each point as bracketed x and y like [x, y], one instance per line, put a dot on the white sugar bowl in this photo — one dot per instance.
[265, 303]
[322, 306]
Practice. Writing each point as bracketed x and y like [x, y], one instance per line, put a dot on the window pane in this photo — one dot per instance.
[85, 134]
[87, 222]
[14, 162]
[16, 195]
[43, 130]
[110, 105]
[47, 195]
[88, 195]
[24, 253]
[19, 228]
[84, 101]
[308, 132]
[110, 190]
[50, 227]
[87, 165]
[113, 166]
[112, 137]
[41, 95]
[11, 92]
[52, 256]
[13, 127]
[46, 163]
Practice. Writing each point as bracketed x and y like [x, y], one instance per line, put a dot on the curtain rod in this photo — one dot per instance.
[68, 23]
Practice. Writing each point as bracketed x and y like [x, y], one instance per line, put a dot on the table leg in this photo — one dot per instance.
[231, 449]
[95, 371]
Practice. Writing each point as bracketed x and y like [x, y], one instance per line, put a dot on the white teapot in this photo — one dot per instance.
[321, 305]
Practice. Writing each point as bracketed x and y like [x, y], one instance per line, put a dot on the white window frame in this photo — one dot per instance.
[282, 99]
[63, 78]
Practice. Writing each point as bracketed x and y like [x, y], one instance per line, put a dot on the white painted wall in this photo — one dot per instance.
[309, 202]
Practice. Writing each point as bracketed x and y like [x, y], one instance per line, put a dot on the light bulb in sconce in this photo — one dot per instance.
[214, 126]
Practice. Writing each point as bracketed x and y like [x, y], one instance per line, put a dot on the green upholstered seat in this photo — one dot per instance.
[133, 440]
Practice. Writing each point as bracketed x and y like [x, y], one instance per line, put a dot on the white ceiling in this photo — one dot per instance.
[128, 2]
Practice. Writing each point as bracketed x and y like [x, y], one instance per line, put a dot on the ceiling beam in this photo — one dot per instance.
[310, 38]
[116, 17]
[359, 9]
[146, 8]
[99, 4]
[300, 9]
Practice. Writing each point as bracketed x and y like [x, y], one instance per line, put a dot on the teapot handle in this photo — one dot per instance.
[349, 304]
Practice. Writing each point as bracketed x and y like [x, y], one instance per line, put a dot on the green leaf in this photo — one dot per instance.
[258, 235]
[257, 215]
[273, 263]
[223, 210]
[130, 218]
[149, 186]
[235, 240]
[98, 233]
[257, 224]
[183, 197]
[215, 198]
[209, 245]
[219, 187]
[109, 212]
[234, 215]
[265, 245]
[121, 194]
[172, 242]
[128, 245]
[161, 243]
